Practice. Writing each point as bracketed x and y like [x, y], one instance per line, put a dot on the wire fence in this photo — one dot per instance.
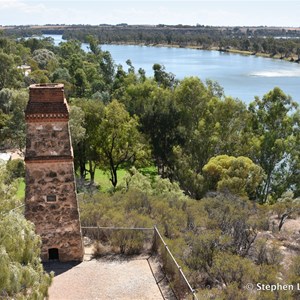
[137, 240]
[179, 283]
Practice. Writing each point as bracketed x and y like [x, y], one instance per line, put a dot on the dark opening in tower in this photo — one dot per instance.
[53, 254]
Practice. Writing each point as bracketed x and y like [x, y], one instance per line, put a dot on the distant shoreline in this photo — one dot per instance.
[293, 59]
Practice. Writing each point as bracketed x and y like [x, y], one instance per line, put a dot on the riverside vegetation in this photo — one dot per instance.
[276, 42]
[217, 177]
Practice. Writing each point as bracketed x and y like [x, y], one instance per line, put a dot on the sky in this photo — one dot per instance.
[203, 12]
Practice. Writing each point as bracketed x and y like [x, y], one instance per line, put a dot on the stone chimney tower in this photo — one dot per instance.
[50, 197]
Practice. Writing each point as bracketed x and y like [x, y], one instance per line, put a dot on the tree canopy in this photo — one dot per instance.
[119, 143]
[238, 175]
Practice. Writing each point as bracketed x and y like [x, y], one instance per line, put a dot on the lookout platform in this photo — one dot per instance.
[108, 278]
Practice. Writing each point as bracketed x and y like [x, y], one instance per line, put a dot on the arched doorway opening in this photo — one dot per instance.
[53, 254]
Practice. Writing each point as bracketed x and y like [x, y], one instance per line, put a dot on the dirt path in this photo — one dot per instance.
[104, 279]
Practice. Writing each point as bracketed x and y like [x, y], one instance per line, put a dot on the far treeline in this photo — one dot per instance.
[276, 42]
[219, 178]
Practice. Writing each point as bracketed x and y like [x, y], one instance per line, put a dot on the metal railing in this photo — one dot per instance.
[179, 283]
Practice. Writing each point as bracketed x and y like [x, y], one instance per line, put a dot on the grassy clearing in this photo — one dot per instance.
[21, 189]
[149, 171]
[101, 179]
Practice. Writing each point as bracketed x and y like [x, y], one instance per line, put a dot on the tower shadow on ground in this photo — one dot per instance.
[59, 267]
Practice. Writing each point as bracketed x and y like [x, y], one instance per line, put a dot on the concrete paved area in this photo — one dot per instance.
[107, 278]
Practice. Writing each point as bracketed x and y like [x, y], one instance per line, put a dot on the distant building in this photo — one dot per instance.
[25, 69]
[5, 157]
[50, 196]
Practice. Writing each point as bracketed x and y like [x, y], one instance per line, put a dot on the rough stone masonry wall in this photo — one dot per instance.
[57, 221]
[48, 139]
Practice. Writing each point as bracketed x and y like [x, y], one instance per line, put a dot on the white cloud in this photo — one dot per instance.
[213, 12]
[27, 12]
[9, 4]
[21, 6]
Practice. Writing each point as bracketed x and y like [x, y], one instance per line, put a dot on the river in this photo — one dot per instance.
[241, 76]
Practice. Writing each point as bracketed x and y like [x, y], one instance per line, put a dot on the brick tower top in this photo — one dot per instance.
[46, 102]
[47, 115]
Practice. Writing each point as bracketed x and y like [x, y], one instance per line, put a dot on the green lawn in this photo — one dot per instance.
[101, 178]
[21, 189]
[149, 171]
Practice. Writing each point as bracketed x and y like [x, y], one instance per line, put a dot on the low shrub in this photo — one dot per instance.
[129, 241]
[100, 250]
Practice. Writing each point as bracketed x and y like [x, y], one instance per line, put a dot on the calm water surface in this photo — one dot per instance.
[242, 77]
